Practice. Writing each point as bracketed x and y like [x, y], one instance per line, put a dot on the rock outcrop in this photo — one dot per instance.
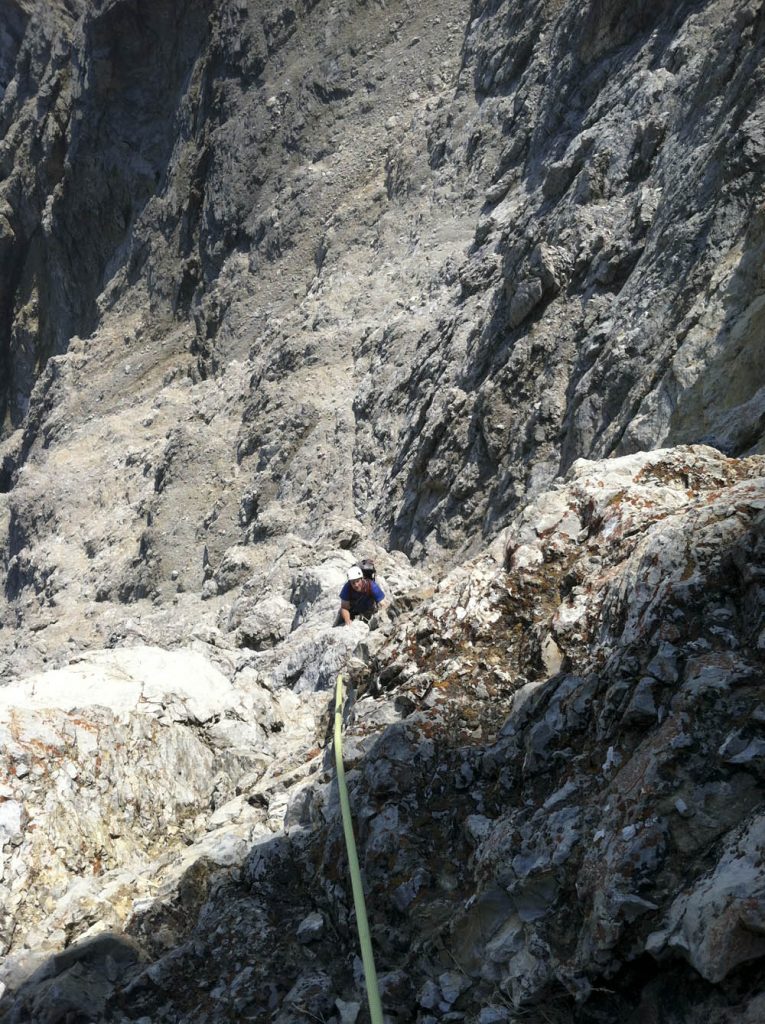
[557, 788]
[475, 289]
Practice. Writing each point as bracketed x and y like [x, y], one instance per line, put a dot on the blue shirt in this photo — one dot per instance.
[362, 604]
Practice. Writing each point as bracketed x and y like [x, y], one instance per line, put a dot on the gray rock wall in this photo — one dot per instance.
[452, 251]
[615, 268]
[89, 119]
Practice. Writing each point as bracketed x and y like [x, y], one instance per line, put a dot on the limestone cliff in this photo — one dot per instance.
[287, 283]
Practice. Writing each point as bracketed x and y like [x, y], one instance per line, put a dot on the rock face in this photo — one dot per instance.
[474, 289]
[322, 255]
[557, 790]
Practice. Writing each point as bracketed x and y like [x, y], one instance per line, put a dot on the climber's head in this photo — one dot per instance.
[356, 577]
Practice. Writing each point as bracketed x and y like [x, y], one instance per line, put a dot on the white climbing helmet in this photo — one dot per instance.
[355, 573]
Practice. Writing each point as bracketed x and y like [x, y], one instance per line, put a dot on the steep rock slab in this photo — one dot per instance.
[532, 835]
[384, 248]
[581, 210]
[610, 301]
[356, 241]
[213, 406]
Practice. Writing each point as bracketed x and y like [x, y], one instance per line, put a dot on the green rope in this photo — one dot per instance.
[365, 939]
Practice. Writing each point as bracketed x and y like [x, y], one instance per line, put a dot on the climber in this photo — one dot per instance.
[359, 597]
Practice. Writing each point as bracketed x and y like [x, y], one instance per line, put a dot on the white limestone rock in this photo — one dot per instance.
[180, 684]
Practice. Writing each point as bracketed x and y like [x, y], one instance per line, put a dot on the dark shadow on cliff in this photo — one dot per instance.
[113, 105]
[722, 407]
[71, 986]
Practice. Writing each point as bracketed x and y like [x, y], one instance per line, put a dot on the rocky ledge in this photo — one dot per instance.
[555, 760]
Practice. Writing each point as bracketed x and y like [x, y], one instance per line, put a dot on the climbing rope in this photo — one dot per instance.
[362, 924]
